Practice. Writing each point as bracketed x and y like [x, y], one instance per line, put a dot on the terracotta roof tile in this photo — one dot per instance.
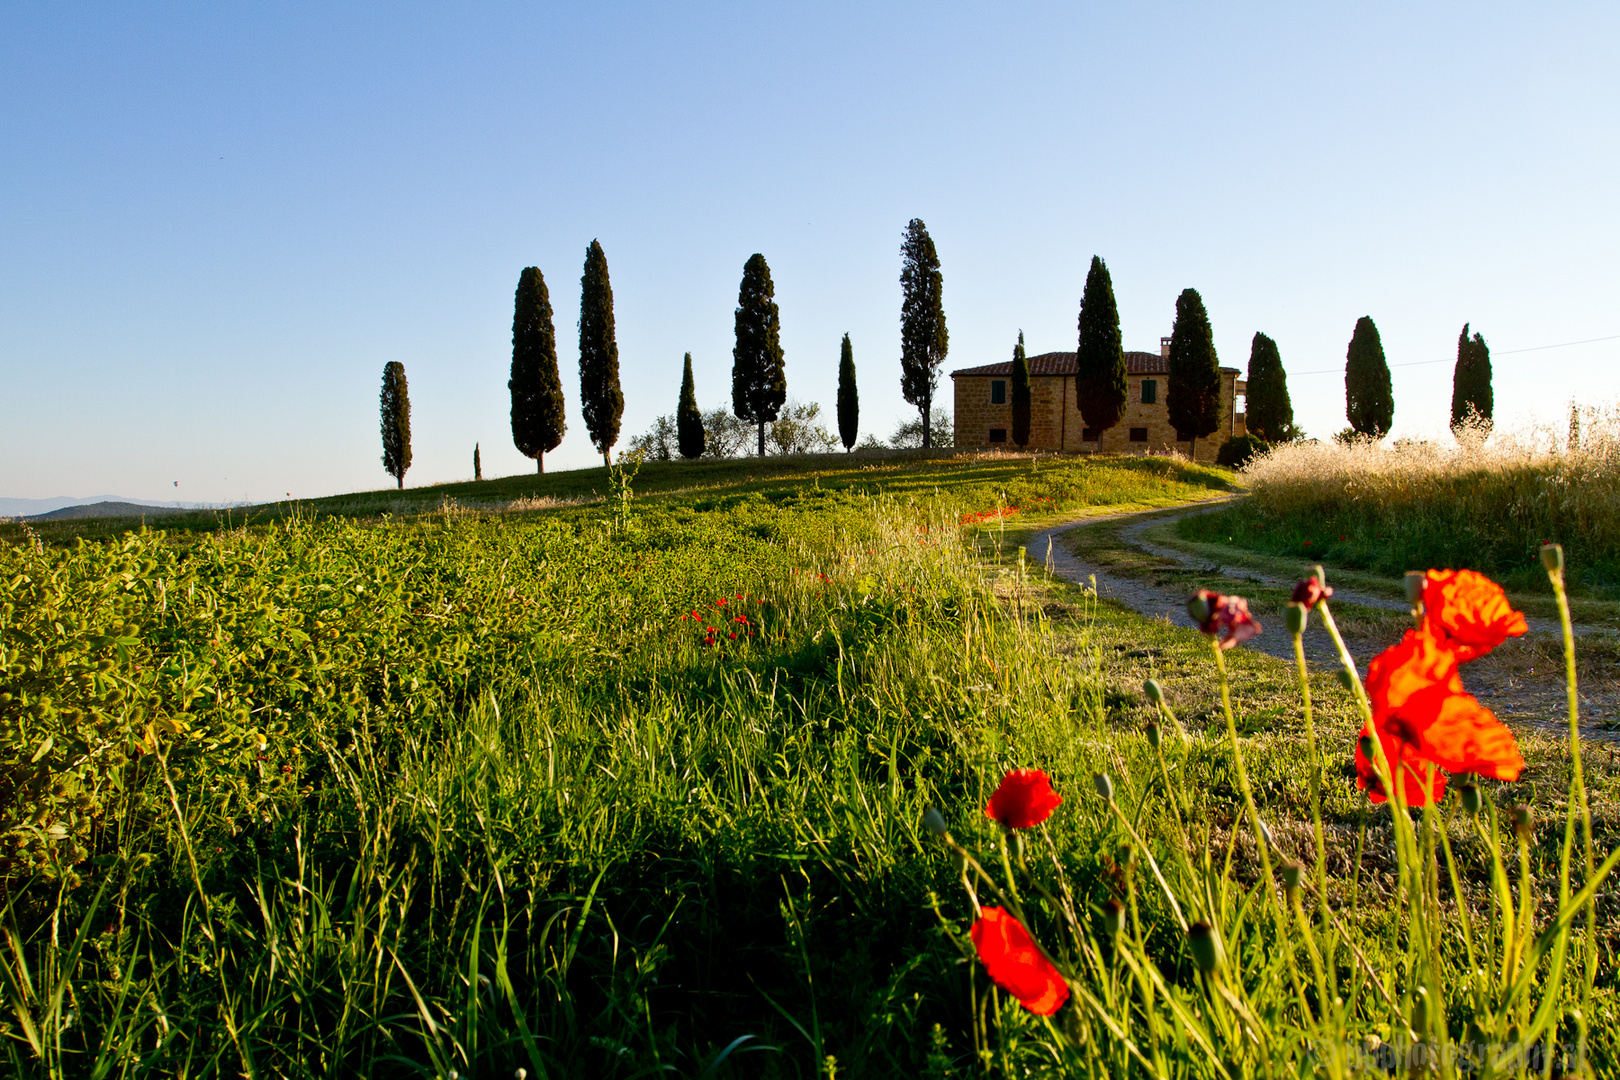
[1062, 363]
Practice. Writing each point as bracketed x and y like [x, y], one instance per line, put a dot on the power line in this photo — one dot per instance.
[1504, 352]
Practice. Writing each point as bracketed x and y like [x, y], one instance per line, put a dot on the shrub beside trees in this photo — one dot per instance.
[758, 380]
[396, 421]
[1471, 393]
[600, 398]
[1237, 451]
[924, 340]
[688, 420]
[1100, 382]
[538, 422]
[1369, 399]
[1270, 413]
[849, 401]
[1193, 399]
[1020, 394]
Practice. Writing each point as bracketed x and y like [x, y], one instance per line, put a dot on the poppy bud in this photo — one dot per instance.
[934, 821]
[1205, 947]
[1471, 801]
[1104, 785]
[1365, 745]
[1291, 874]
[1294, 617]
[1265, 832]
[1345, 680]
[1113, 917]
[1124, 856]
[1552, 558]
[1415, 581]
[1153, 735]
[1154, 692]
[1198, 608]
[1524, 821]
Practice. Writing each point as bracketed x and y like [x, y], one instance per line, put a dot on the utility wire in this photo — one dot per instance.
[1504, 352]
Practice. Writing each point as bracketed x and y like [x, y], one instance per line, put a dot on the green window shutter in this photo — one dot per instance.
[1150, 391]
[998, 391]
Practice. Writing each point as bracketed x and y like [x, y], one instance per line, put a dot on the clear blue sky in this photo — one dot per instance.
[219, 221]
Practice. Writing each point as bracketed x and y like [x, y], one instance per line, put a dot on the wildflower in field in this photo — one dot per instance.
[1225, 617]
[1013, 961]
[1469, 612]
[1311, 592]
[1024, 799]
[1424, 717]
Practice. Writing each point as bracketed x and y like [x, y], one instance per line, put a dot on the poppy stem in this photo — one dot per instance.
[1553, 560]
[1316, 773]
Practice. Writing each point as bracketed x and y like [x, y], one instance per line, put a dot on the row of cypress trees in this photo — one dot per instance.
[1370, 400]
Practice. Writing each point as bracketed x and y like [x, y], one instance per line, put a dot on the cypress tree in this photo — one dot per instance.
[688, 418]
[396, 421]
[478, 464]
[1270, 412]
[537, 396]
[849, 402]
[1471, 382]
[1020, 394]
[758, 381]
[924, 340]
[1100, 384]
[600, 398]
[1369, 399]
[1193, 398]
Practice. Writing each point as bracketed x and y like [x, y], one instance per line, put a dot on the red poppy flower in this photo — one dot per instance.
[1010, 957]
[1311, 592]
[1469, 612]
[1024, 799]
[1227, 617]
[1424, 716]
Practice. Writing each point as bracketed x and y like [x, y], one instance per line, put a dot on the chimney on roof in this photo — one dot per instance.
[1164, 348]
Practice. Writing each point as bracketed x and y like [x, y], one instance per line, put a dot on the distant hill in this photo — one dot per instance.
[10, 507]
[104, 510]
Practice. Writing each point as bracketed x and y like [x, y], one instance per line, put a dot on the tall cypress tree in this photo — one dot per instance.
[1193, 398]
[396, 421]
[478, 464]
[1471, 381]
[538, 422]
[924, 340]
[688, 418]
[1020, 394]
[849, 401]
[1369, 399]
[600, 398]
[758, 381]
[1270, 413]
[1100, 383]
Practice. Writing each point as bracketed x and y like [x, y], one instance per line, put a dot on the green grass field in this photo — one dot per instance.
[406, 786]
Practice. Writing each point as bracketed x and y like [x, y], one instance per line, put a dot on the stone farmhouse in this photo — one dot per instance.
[984, 408]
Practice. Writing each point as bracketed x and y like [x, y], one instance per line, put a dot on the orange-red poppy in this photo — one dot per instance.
[1010, 957]
[1024, 799]
[1424, 718]
[1468, 612]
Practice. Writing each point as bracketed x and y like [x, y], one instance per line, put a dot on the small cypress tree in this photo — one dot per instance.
[1471, 381]
[849, 402]
[396, 421]
[1369, 399]
[924, 341]
[478, 464]
[1020, 394]
[1193, 398]
[688, 418]
[600, 398]
[758, 381]
[1270, 413]
[1100, 382]
[538, 422]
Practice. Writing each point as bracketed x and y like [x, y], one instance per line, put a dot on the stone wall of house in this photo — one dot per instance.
[1055, 417]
